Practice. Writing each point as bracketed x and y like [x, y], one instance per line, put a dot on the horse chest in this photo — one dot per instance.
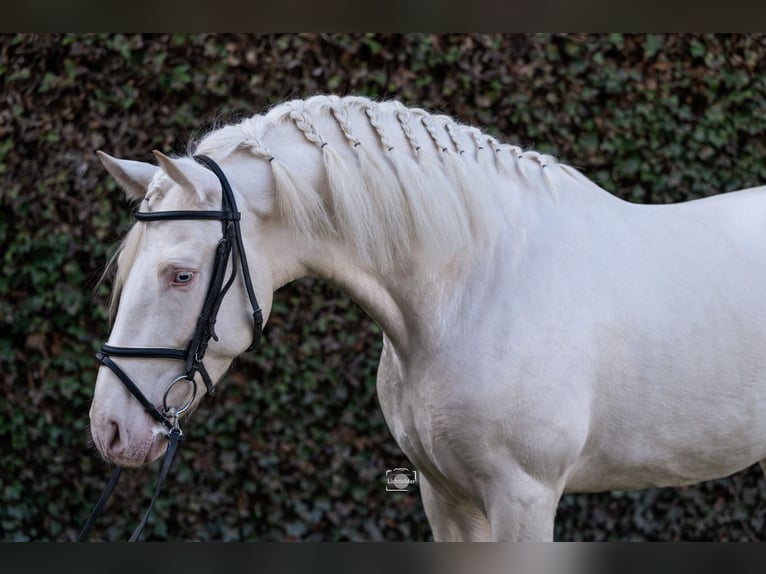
[416, 424]
[449, 421]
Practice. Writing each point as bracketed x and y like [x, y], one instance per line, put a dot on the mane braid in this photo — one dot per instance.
[354, 211]
[386, 194]
[397, 178]
[450, 129]
[403, 117]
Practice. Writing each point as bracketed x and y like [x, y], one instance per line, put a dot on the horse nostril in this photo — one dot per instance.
[113, 439]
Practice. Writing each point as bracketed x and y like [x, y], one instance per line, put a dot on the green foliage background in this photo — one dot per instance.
[294, 446]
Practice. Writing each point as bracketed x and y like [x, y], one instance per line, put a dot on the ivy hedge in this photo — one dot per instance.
[294, 446]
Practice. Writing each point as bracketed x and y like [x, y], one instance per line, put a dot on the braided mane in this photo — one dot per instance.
[399, 178]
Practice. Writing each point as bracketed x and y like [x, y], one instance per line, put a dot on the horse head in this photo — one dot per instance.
[181, 293]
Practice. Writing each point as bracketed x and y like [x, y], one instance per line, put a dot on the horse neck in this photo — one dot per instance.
[423, 303]
[425, 297]
[420, 296]
[412, 301]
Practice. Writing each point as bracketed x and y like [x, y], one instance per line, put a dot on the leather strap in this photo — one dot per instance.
[228, 194]
[143, 352]
[190, 214]
[102, 500]
[173, 439]
[126, 380]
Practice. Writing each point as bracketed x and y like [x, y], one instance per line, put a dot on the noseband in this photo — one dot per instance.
[230, 247]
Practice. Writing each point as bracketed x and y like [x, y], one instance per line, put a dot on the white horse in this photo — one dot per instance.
[541, 336]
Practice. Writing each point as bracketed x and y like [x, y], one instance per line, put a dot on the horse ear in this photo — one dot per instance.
[171, 167]
[132, 176]
[191, 176]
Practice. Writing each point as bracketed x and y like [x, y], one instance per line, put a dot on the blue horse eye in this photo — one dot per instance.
[184, 276]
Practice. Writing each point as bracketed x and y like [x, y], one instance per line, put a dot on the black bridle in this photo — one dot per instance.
[230, 247]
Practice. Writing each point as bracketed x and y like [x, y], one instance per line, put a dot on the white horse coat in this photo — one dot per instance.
[540, 335]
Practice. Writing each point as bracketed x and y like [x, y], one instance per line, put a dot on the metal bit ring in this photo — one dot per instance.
[179, 410]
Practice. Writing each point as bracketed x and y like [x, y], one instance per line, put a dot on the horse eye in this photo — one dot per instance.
[183, 277]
